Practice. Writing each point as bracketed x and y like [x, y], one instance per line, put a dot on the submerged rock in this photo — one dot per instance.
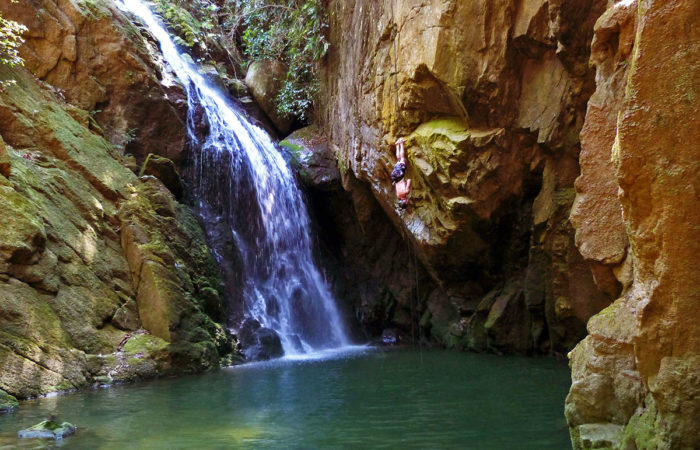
[48, 429]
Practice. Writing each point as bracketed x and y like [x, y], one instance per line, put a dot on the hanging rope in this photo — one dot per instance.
[412, 259]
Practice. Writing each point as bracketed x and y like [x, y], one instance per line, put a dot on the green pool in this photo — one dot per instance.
[358, 398]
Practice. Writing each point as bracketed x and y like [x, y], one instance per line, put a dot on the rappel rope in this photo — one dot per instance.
[412, 259]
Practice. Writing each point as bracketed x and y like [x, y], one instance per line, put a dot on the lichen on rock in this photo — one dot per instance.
[68, 299]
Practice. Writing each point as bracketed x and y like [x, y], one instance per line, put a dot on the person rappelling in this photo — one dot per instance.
[398, 175]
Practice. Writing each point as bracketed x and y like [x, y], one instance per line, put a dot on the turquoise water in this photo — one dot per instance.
[360, 399]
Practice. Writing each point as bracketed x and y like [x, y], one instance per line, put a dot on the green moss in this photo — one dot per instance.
[294, 149]
[7, 402]
[145, 344]
[642, 431]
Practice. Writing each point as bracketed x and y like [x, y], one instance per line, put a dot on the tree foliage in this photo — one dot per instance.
[10, 41]
[290, 31]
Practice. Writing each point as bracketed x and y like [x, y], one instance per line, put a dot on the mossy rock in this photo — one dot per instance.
[48, 429]
[7, 402]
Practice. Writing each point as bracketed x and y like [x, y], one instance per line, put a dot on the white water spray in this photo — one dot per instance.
[243, 182]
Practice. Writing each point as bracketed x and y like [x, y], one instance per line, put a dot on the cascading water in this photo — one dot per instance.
[244, 185]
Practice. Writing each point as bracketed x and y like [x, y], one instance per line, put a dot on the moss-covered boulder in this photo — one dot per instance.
[8, 403]
[312, 158]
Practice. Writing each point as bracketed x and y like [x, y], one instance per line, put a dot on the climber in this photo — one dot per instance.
[400, 167]
[403, 189]
[403, 185]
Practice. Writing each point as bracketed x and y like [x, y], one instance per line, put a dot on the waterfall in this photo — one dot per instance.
[243, 185]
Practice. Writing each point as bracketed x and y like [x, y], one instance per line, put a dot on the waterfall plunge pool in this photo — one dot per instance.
[360, 398]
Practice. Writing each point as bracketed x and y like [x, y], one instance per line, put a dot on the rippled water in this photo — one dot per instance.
[356, 399]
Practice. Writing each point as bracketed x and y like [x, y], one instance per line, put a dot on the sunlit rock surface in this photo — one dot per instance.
[636, 372]
[93, 260]
[491, 97]
[95, 59]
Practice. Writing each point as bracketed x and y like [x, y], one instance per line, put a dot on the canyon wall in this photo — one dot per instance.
[491, 97]
[635, 377]
[104, 276]
[554, 156]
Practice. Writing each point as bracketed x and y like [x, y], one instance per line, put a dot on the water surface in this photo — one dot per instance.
[358, 399]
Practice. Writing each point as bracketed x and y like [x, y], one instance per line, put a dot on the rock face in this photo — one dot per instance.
[635, 375]
[96, 60]
[103, 275]
[491, 98]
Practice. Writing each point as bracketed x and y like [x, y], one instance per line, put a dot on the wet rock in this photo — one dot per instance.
[259, 343]
[48, 429]
[295, 341]
[264, 79]
[163, 169]
[7, 402]
[391, 336]
[312, 158]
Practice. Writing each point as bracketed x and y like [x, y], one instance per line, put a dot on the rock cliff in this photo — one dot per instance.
[634, 377]
[104, 276]
[491, 97]
[543, 187]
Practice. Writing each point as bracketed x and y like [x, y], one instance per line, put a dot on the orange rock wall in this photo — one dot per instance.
[491, 97]
[637, 369]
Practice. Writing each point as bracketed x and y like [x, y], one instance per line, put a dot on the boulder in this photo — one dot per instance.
[313, 159]
[48, 429]
[8, 403]
[259, 343]
[264, 79]
[163, 169]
